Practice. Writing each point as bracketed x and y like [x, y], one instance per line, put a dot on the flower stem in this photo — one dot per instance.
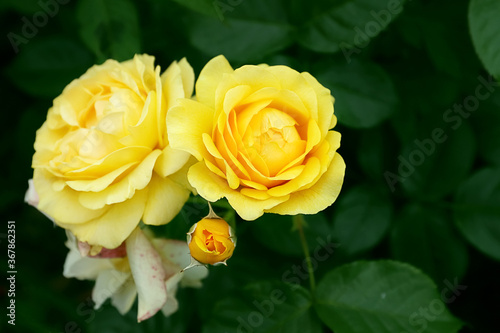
[298, 222]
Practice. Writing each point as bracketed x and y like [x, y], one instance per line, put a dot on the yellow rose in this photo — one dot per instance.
[261, 135]
[211, 241]
[102, 158]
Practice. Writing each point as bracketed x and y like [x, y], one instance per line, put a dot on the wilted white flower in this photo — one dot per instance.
[143, 266]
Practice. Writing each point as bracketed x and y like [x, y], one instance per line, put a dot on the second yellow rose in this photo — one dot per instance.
[262, 137]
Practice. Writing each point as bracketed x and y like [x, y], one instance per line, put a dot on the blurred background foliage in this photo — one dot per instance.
[419, 114]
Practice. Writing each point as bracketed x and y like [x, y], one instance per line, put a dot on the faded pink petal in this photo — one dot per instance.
[176, 254]
[108, 282]
[31, 196]
[82, 267]
[119, 252]
[148, 273]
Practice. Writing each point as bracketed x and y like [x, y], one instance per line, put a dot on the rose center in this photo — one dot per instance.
[273, 135]
[212, 244]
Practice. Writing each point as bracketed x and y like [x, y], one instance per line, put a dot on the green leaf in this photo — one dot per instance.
[364, 93]
[362, 218]
[478, 211]
[432, 166]
[269, 307]
[275, 232]
[47, 65]
[425, 238]
[348, 25]
[484, 26]
[236, 37]
[381, 297]
[109, 28]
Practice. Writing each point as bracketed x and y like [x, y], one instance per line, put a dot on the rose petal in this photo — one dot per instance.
[31, 196]
[61, 205]
[123, 299]
[321, 195]
[326, 118]
[212, 188]
[172, 304]
[125, 189]
[96, 185]
[163, 192]
[106, 284]
[209, 78]
[149, 275]
[107, 164]
[186, 124]
[170, 161]
[114, 226]
[83, 268]
[145, 131]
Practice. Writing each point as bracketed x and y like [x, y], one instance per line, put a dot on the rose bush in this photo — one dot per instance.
[262, 137]
[102, 158]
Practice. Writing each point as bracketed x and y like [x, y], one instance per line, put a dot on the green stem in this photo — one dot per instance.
[298, 223]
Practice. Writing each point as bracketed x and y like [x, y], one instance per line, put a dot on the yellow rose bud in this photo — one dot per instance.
[211, 241]
[262, 136]
[102, 160]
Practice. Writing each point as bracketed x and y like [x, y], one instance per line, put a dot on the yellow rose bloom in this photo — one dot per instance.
[262, 137]
[210, 241]
[102, 158]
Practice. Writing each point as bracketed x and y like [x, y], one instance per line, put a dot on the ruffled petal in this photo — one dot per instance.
[326, 118]
[209, 79]
[99, 184]
[125, 189]
[187, 74]
[145, 131]
[62, 205]
[318, 197]
[170, 161]
[186, 124]
[212, 188]
[114, 226]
